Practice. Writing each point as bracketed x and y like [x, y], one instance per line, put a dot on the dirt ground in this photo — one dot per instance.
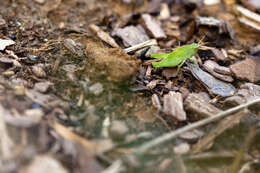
[80, 92]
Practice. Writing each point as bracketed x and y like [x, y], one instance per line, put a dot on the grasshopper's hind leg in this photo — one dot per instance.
[179, 66]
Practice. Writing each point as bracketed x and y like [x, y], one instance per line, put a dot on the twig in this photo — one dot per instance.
[141, 45]
[171, 135]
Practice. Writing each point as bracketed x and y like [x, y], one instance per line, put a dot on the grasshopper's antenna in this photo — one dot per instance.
[201, 41]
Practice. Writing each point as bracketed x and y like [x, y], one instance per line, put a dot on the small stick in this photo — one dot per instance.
[249, 14]
[141, 45]
[171, 135]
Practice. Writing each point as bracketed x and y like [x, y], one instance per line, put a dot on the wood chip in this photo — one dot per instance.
[199, 104]
[173, 105]
[132, 35]
[103, 35]
[153, 26]
[211, 67]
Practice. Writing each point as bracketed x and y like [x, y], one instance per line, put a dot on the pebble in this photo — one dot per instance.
[36, 114]
[192, 136]
[96, 89]
[5, 43]
[43, 164]
[182, 148]
[42, 86]
[248, 69]
[38, 71]
[118, 129]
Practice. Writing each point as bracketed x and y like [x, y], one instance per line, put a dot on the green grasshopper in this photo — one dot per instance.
[177, 57]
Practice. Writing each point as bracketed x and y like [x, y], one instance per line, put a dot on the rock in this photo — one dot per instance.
[152, 26]
[36, 113]
[96, 89]
[211, 67]
[191, 136]
[132, 35]
[199, 104]
[43, 164]
[182, 148]
[173, 105]
[5, 43]
[246, 92]
[38, 71]
[42, 86]
[118, 129]
[248, 69]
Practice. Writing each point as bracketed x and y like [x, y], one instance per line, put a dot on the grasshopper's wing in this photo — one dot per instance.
[160, 56]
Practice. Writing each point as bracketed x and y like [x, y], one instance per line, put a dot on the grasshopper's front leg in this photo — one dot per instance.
[179, 66]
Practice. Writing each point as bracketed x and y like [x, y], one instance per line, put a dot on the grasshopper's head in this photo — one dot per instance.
[195, 46]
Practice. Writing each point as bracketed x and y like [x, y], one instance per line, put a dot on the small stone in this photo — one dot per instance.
[118, 129]
[36, 114]
[69, 67]
[153, 26]
[43, 164]
[40, 1]
[132, 35]
[6, 60]
[211, 2]
[192, 135]
[42, 86]
[8, 73]
[91, 120]
[5, 43]
[96, 89]
[38, 71]
[173, 105]
[248, 69]
[182, 148]
[164, 11]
